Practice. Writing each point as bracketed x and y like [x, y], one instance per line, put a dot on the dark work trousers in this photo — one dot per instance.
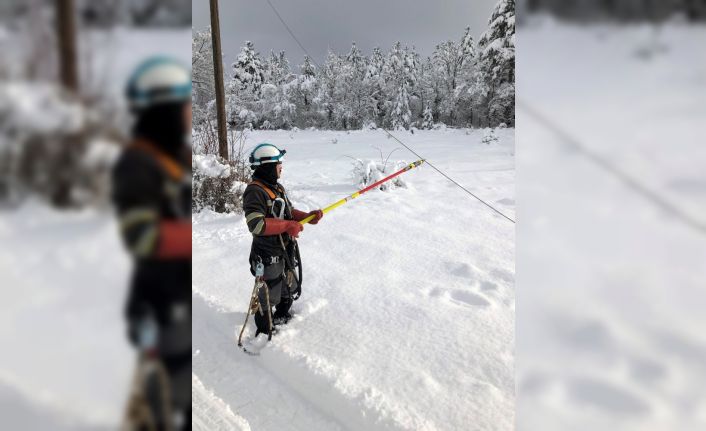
[280, 297]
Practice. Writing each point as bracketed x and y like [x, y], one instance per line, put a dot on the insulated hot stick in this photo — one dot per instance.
[360, 192]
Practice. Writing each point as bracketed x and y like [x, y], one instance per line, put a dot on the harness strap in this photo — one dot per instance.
[170, 166]
[269, 191]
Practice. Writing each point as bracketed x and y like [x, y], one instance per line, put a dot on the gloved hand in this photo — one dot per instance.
[275, 226]
[318, 215]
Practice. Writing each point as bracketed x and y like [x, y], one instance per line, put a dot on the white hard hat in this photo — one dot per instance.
[266, 153]
[159, 80]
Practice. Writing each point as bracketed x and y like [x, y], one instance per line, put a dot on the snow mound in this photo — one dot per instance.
[39, 108]
[210, 166]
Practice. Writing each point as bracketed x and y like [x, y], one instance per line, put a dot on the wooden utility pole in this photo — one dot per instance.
[218, 81]
[66, 36]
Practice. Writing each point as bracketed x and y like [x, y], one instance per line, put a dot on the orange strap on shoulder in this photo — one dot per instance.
[173, 169]
[270, 193]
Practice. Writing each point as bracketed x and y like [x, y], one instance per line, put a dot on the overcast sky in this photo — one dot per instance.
[323, 24]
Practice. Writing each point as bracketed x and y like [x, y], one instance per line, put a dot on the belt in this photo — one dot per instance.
[271, 260]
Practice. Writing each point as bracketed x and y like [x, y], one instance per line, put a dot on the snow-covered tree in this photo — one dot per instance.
[307, 68]
[277, 68]
[497, 62]
[427, 119]
[457, 85]
[453, 60]
[248, 70]
[202, 75]
[245, 87]
[400, 78]
[304, 94]
[355, 90]
[329, 89]
[375, 83]
[401, 114]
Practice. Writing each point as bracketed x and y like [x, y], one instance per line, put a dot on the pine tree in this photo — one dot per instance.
[430, 87]
[355, 88]
[249, 74]
[305, 93]
[497, 63]
[244, 98]
[276, 105]
[400, 78]
[428, 119]
[401, 114]
[308, 68]
[277, 68]
[375, 83]
[453, 60]
[307, 83]
[329, 89]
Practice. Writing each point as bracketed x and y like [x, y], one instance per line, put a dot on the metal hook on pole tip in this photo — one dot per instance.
[416, 164]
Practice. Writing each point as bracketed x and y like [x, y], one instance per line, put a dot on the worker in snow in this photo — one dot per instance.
[274, 223]
[152, 194]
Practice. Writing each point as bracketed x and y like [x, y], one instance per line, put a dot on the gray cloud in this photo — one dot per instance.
[333, 24]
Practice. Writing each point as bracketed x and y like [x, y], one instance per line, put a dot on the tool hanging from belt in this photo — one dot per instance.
[255, 306]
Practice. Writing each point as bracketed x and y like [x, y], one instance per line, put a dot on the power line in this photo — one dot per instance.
[604, 163]
[291, 33]
[447, 177]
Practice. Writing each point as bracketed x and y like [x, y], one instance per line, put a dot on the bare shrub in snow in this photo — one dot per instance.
[219, 184]
[52, 146]
[489, 137]
[367, 172]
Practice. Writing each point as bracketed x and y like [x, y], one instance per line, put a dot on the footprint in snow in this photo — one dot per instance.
[435, 292]
[460, 269]
[469, 298]
[503, 275]
[506, 201]
[314, 306]
[488, 286]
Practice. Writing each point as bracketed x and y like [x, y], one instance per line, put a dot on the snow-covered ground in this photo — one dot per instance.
[65, 359]
[406, 321]
[610, 287]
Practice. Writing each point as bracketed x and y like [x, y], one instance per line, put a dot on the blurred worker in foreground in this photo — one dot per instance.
[152, 194]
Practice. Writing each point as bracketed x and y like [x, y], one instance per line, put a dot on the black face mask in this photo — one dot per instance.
[163, 125]
[267, 173]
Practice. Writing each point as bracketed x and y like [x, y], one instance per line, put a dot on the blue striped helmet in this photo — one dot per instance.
[158, 80]
[266, 153]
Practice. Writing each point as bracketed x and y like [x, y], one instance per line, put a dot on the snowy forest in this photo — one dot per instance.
[463, 83]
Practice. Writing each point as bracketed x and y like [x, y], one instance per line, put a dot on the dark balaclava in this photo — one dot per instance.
[267, 172]
[163, 125]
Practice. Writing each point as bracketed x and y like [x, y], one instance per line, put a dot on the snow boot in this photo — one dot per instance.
[281, 319]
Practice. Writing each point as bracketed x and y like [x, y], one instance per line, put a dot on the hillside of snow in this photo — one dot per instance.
[406, 320]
